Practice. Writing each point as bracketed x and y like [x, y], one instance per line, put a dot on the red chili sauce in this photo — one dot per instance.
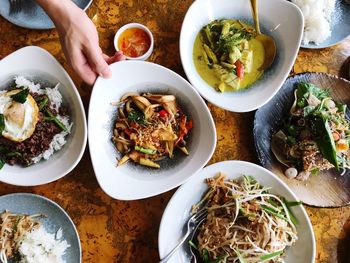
[134, 42]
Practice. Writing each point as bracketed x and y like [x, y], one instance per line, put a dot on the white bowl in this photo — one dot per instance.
[132, 181]
[36, 63]
[135, 25]
[178, 210]
[278, 18]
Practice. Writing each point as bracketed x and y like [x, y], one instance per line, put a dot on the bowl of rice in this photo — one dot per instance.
[42, 119]
[326, 22]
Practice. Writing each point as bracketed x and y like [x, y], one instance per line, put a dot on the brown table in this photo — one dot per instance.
[118, 231]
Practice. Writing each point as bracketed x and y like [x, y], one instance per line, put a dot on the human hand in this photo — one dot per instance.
[79, 39]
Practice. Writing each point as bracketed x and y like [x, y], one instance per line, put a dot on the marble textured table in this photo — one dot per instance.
[118, 231]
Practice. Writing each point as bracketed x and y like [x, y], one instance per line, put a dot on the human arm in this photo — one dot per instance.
[79, 39]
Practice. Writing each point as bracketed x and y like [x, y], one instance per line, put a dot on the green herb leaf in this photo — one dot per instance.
[271, 255]
[21, 96]
[2, 123]
[2, 162]
[138, 117]
[324, 138]
[305, 89]
[205, 255]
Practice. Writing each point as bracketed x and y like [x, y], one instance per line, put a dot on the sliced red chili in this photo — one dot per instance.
[163, 113]
[239, 69]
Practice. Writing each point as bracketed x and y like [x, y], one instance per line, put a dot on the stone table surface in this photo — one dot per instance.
[119, 231]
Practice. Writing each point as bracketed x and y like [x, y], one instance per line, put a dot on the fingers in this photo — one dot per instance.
[118, 56]
[96, 61]
[81, 66]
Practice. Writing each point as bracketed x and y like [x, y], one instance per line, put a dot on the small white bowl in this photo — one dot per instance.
[179, 207]
[144, 28]
[284, 22]
[132, 181]
[38, 64]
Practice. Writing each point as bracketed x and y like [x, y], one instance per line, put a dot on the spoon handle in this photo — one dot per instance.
[255, 16]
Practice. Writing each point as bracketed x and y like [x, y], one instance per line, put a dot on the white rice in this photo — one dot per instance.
[317, 17]
[39, 246]
[55, 98]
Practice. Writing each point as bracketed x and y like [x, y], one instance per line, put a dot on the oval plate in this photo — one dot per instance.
[328, 188]
[340, 26]
[56, 218]
[178, 210]
[32, 15]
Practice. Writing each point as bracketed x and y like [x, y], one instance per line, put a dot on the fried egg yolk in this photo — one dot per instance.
[20, 119]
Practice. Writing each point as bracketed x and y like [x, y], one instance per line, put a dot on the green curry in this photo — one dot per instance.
[227, 55]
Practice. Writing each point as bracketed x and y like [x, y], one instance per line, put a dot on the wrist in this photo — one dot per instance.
[60, 11]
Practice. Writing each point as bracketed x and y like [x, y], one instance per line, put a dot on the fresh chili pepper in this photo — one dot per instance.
[239, 69]
[163, 113]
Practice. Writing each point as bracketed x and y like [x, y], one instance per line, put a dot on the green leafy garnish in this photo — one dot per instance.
[21, 96]
[205, 255]
[324, 138]
[271, 255]
[305, 89]
[2, 162]
[138, 117]
[2, 123]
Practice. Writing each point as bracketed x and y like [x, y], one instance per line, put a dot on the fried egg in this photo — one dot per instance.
[20, 119]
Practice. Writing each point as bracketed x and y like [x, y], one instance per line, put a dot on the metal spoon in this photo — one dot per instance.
[267, 41]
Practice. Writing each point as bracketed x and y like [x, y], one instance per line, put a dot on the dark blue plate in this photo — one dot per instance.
[31, 15]
[340, 26]
[56, 218]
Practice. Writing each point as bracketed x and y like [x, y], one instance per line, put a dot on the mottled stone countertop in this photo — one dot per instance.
[119, 231]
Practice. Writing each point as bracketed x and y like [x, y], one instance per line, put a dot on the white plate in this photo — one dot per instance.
[39, 65]
[284, 22]
[132, 181]
[178, 209]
